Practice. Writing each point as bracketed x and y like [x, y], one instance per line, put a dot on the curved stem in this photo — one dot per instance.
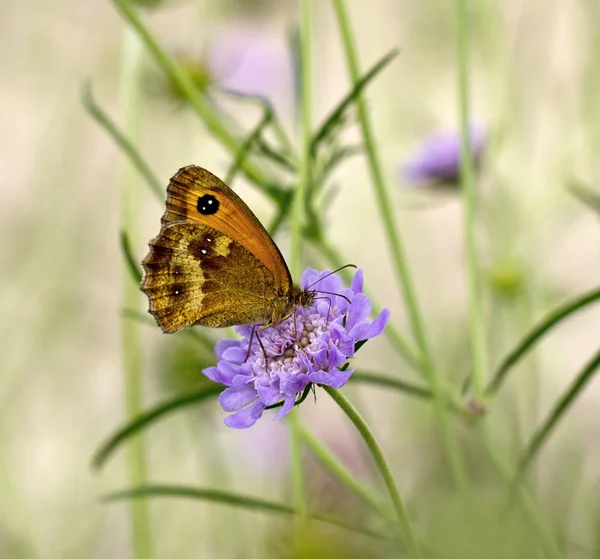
[341, 472]
[297, 466]
[382, 465]
[476, 322]
[557, 412]
[397, 252]
[551, 320]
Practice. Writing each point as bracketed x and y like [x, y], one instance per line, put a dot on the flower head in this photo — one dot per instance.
[309, 347]
[438, 159]
[249, 60]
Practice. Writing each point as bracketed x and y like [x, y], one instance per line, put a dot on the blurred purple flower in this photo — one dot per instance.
[247, 60]
[311, 351]
[438, 158]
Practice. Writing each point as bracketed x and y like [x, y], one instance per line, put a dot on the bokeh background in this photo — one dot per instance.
[535, 85]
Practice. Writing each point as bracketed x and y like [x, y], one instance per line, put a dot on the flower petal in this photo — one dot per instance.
[358, 281]
[366, 330]
[245, 418]
[236, 397]
[290, 385]
[224, 372]
[268, 395]
[339, 378]
[222, 345]
[288, 404]
[359, 310]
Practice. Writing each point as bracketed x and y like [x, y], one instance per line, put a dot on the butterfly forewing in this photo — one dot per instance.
[189, 279]
[196, 195]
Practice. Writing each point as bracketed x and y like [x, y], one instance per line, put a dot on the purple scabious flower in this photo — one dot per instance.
[438, 158]
[311, 350]
[250, 60]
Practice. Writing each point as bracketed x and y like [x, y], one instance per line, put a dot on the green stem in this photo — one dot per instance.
[130, 334]
[545, 536]
[340, 471]
[476, 320]
[397, 252]
[296, 240]
[551, 320]
[297, 467]
[557, 413]
[184, 83]
[381, 464]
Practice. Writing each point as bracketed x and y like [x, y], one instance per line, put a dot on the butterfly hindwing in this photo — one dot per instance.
[195, 274]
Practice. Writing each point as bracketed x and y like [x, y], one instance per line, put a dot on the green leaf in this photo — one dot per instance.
[553, 319]
[129, 258]
[560, 408]
[229, 498]
[336, 117]
[148, 417]
[102, 118]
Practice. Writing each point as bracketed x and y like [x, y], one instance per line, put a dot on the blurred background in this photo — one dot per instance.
[535, 85]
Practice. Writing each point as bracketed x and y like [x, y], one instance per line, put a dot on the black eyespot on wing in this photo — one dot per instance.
[177, 289]
[207, 204]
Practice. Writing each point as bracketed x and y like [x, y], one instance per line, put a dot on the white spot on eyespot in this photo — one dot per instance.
[208, 239]
[176, 292]
[203, 251]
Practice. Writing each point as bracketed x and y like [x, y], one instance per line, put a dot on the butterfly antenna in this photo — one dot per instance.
[331, 293]
[331, 273]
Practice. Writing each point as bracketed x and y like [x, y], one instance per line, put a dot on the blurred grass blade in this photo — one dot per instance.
[246, 147]
[195, 333]
[140, 316]
[229, 498]
[134, 269]
[146, 418]
[401, 386]
[339, 156]
[586, 195]
[197, 100]
[123, 142]
[342, 473]
[388, 382]
[553, 319]
[336, 116]
[557, 413]
[267, 108]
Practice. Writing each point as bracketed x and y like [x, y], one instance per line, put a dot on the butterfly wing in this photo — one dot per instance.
[196, 195]
[195, 274]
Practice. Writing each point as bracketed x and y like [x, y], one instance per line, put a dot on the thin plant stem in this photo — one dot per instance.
[130, 330]
[297, 465]
[185, 84]
[558, 411]
[524, 501]
[555, 317]
[476, 319]
[297, 471]
[341, 472]
[382, 466]
[397, 252]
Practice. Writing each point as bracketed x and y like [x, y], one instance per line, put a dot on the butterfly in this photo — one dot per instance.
[213, 263]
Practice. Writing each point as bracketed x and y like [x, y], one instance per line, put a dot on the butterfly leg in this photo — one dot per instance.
[263, 350]
[250, 343]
